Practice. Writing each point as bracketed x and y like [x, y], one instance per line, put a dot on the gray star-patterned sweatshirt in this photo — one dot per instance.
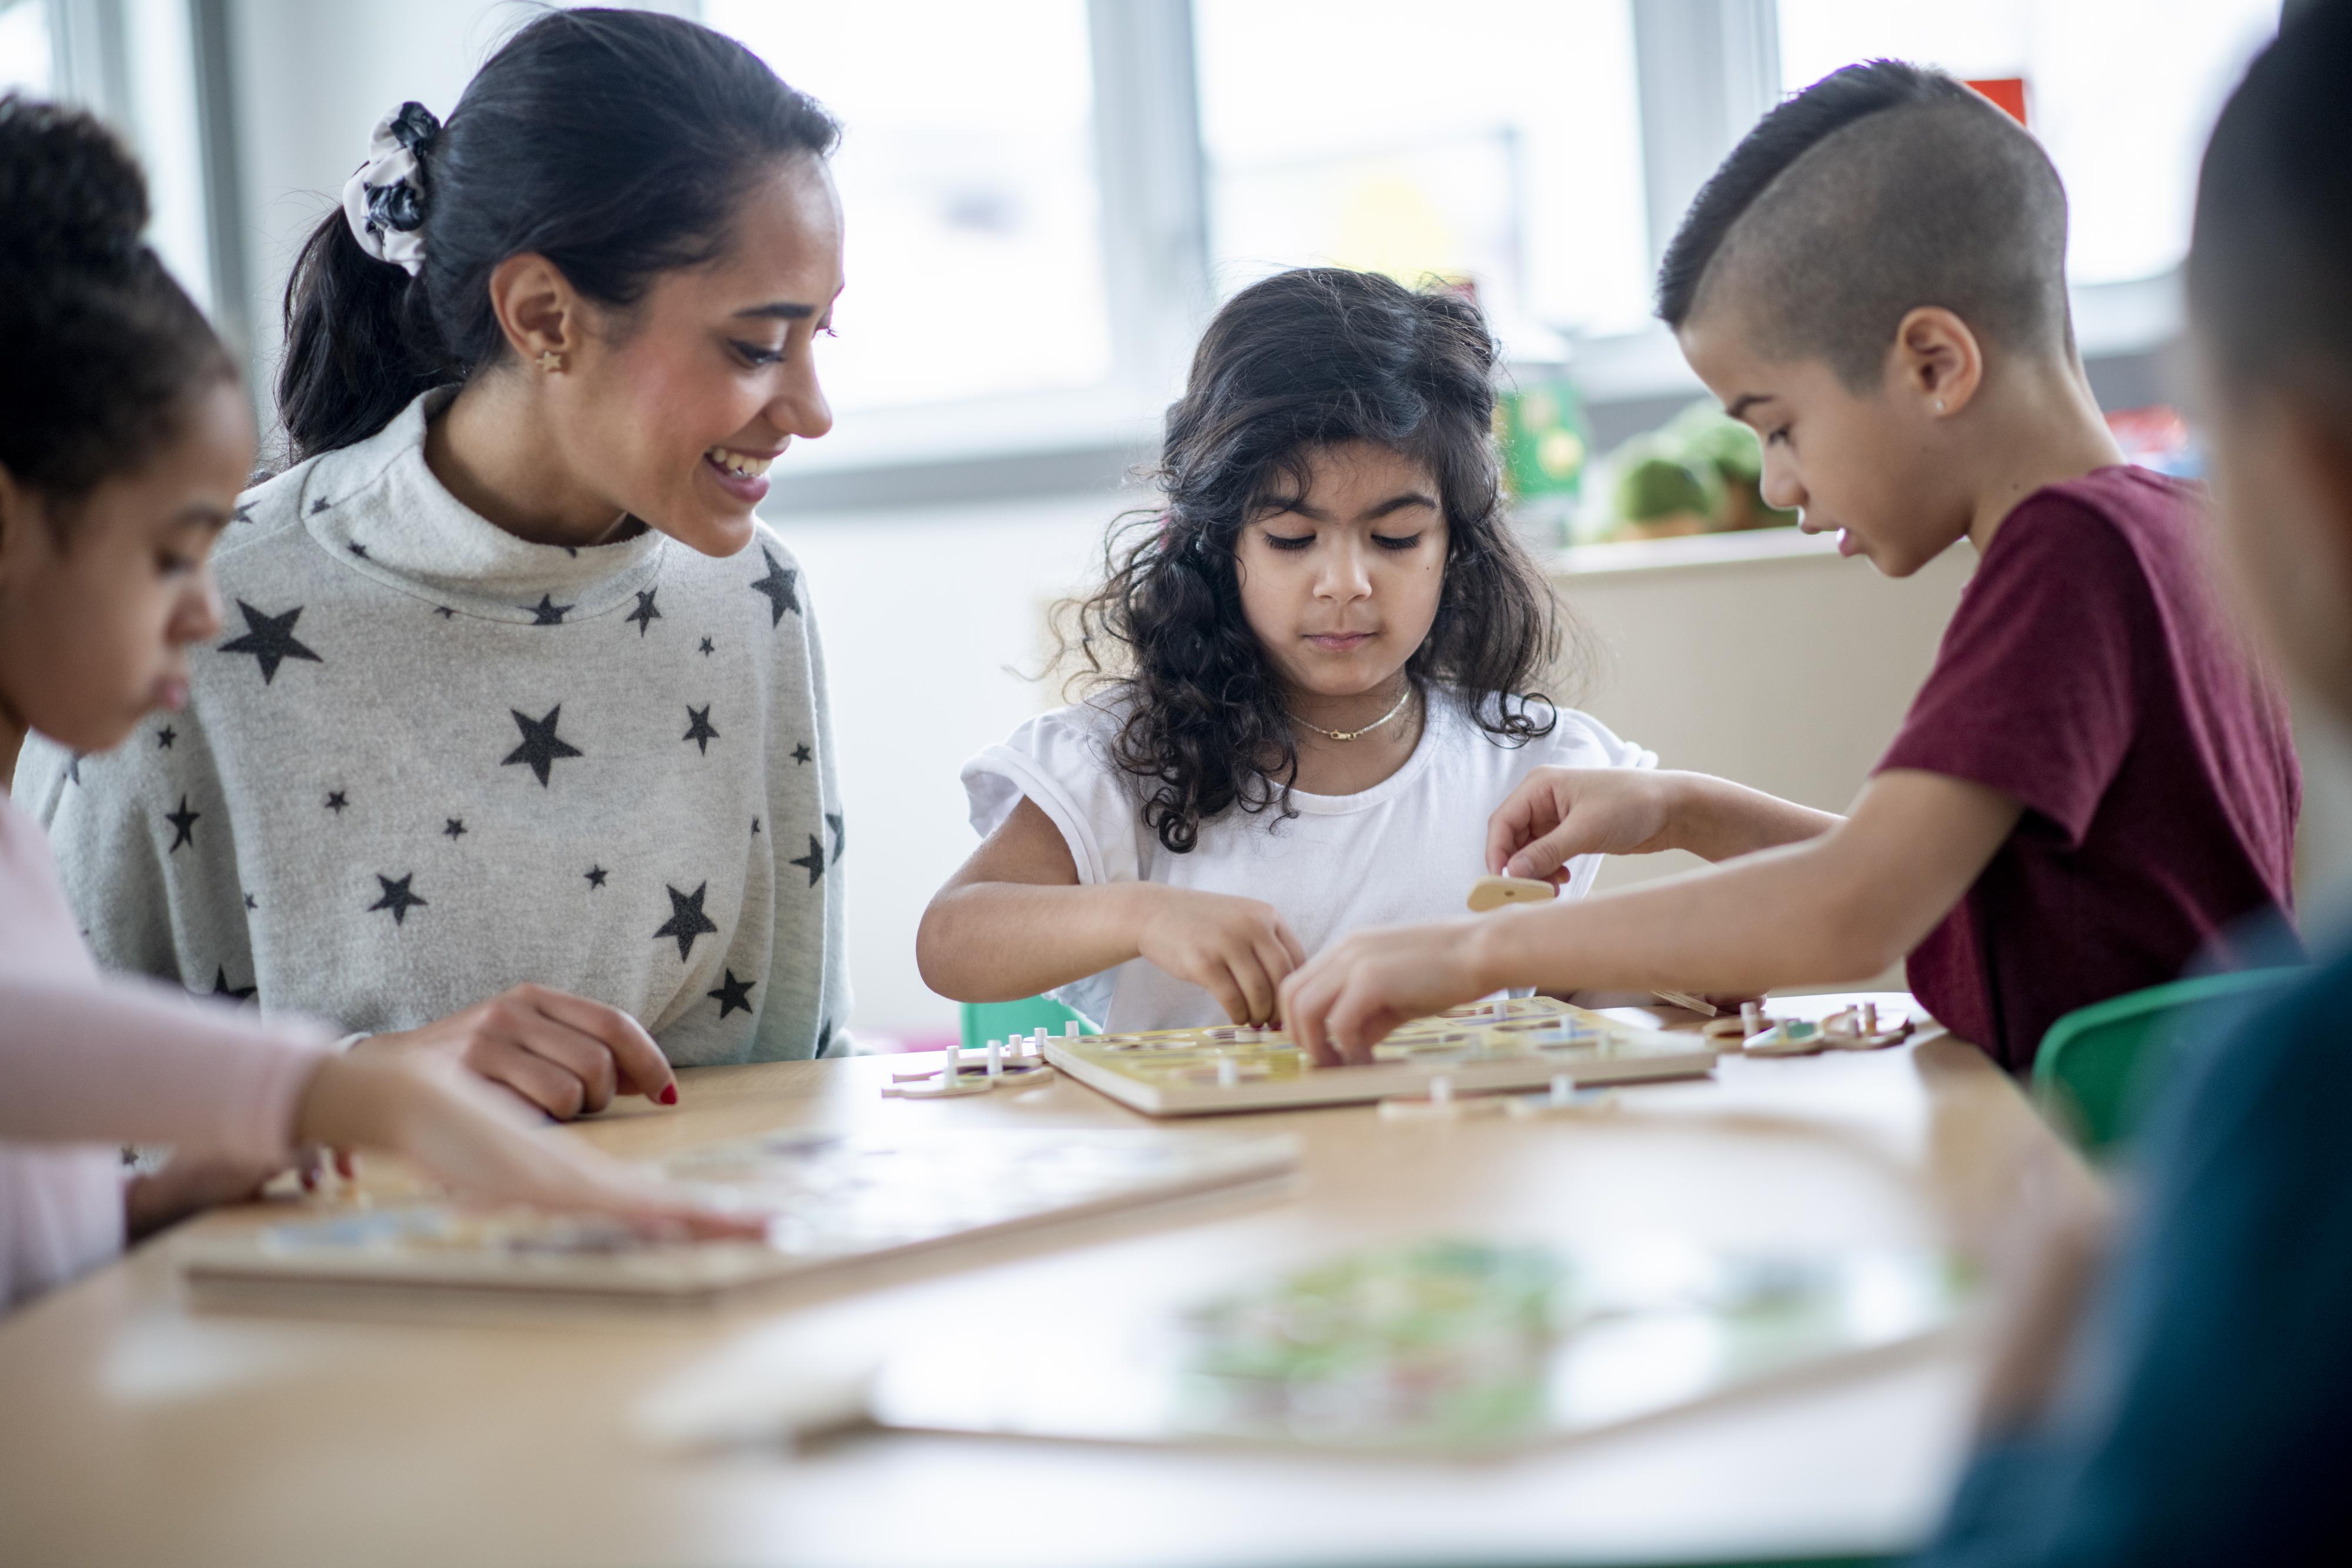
[426, 761]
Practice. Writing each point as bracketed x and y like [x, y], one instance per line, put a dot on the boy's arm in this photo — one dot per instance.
[1559, 813]
[1015, 922]
[1840, 905]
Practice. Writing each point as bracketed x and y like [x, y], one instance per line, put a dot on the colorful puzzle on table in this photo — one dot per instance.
[1449, 1346]
[1527, 1043]
[833, 1200]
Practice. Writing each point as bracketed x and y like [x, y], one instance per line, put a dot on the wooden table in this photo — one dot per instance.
[134, 1429]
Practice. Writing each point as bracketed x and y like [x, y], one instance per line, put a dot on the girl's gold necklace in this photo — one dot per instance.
[1354, 734]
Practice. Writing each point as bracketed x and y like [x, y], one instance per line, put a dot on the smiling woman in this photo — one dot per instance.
[515, 748]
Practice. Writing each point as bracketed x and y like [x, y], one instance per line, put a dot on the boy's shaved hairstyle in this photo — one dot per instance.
[1881, 188]
[2270, 265]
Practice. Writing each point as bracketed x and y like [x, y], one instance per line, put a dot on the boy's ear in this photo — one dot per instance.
[1936, 363]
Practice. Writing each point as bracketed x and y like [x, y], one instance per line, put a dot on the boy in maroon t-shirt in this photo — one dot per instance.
[2094, 781]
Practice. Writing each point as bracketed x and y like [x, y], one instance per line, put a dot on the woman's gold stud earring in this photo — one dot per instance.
[552, 361]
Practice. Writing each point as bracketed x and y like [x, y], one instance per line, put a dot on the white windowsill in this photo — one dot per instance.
[1742, 549]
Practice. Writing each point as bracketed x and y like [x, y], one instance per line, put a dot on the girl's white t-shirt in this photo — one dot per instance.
[1405, 850]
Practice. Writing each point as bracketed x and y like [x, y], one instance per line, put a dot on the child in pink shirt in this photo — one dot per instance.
[124, 439]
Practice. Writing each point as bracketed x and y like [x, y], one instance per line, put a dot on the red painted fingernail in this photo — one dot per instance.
[669, 1094]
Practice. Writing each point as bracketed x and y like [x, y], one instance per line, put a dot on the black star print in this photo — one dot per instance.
[249, 903]
[687, 920]
[801, 753]
[778, 586]
[833, 821]
[183, 825]
[596, 875]
[814, 862]
[755, 826]
[221, 988]
[335, 802]
[824, 1038]
[73, 767]
[455, 829]
[443, 611]
[734, 997]
[397, 898]
[242, 514]
[698, 729]
[166, 736]
[357, 549]
[550, 614]
[270, 640]
[540, 746]
[321, 505]
[707, 649]
[645, 615]
[571, 550]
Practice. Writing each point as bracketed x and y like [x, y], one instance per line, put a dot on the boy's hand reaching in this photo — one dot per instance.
[1358, 990]
[1559, 813]
[1236, 949]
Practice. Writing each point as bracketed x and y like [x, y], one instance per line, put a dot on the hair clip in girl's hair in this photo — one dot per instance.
[383, 201]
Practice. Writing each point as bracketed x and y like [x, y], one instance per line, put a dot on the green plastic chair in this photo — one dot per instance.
[984, 1021]
[2099, 1064]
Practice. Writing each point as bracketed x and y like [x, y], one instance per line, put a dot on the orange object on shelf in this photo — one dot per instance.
[2007, 92]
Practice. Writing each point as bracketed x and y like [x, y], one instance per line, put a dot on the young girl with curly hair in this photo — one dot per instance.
[1313, 677]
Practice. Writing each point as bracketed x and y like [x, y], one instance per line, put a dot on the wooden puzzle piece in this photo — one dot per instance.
[1494, 891]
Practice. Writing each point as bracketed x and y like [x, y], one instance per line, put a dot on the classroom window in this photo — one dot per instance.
[1494, 140]
[2123, 94]
[973, 255]
[26, 56]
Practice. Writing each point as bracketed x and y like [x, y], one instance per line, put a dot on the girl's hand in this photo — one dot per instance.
[1236, 949]
[1358, 990]
[1559, 813]
[482, 1145]
[563, 1053]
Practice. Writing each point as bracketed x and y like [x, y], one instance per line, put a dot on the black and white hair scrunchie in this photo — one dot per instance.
[385, 201]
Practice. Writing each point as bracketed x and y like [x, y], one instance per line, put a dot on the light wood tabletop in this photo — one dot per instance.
[137, 1429]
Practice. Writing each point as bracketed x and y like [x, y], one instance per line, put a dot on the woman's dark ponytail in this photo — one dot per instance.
[616, 143]
[360, 343]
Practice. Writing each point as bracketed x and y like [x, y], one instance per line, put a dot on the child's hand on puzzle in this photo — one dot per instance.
[1358, 990]
[1236, 949]
[1559, 813]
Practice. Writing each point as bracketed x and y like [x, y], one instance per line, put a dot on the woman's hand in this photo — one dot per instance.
[1559, 813]
[1236, 949]
[1358, 990]
[482, 1145]
[563, 1053]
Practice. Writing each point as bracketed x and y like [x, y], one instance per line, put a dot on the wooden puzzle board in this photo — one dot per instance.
[836, 1200]
[1515, 1044]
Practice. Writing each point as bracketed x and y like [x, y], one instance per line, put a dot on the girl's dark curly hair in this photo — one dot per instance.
[1304, 360]
[101, 352]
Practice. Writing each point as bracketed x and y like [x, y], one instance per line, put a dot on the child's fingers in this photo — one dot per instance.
[1292, 945]
[1303, 998]
[1217, 979]
[1544, 856]
[1257, 987]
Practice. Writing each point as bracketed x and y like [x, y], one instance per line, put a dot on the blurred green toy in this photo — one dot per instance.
[1706, 434]
[1661, 493]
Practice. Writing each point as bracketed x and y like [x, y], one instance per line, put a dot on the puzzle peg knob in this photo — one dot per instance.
[1563, 1088]
[995, 1060]
[1229, 1072]
[1441, 1091]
